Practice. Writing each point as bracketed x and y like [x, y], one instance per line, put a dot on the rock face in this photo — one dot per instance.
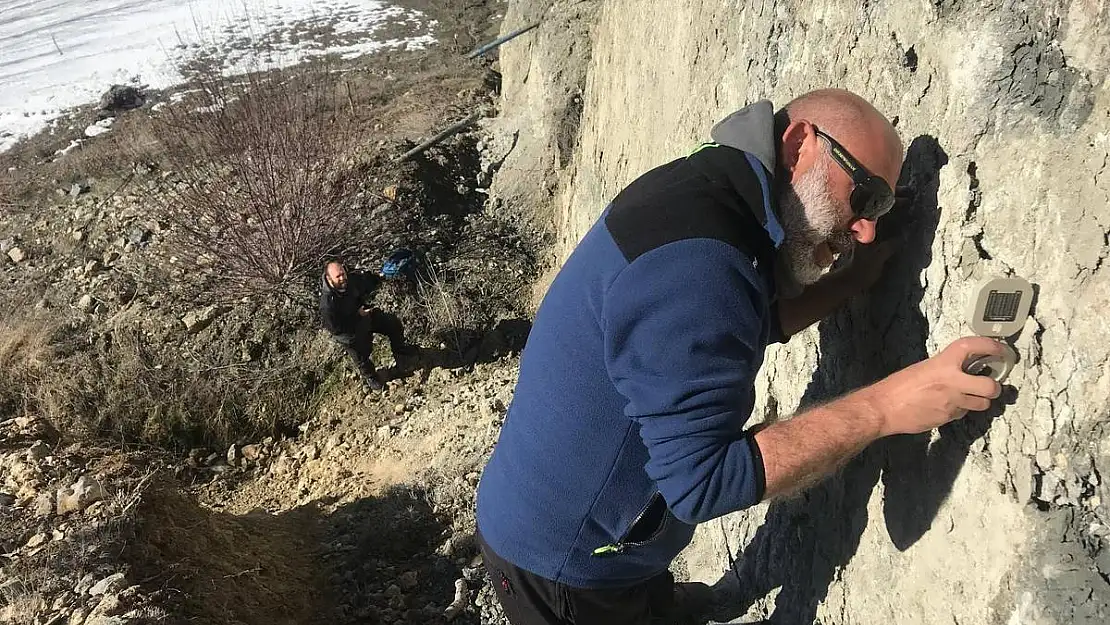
[1005, 112]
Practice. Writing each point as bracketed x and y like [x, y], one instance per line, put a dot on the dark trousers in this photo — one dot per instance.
[529, 599]
[360, 346]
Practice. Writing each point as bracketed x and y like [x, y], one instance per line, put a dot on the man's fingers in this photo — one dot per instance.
[981, 386]
[972, 403]
[960, 350]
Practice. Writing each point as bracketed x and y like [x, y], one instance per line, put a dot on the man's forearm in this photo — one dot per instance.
[799, 452]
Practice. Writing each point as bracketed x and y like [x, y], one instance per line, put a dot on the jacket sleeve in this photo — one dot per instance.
[682, 327]
[367, 285]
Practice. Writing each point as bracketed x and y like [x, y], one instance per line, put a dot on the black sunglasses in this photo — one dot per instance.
[871, 195]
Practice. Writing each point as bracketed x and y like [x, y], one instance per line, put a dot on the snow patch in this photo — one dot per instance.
[59, 54]
[99, 127]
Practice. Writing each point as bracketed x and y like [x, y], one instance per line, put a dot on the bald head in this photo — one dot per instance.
[336, 275]
[855, 123]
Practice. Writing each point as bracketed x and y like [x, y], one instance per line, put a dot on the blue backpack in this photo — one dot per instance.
[400, 264]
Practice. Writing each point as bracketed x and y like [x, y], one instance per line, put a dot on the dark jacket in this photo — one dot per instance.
[339, 310]
[627, 425]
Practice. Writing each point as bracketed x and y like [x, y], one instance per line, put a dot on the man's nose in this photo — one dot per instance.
[863, 230]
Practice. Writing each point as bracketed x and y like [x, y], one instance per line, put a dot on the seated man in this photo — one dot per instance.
[344, 308]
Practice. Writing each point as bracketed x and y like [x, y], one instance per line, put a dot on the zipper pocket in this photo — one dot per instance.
[656, 506]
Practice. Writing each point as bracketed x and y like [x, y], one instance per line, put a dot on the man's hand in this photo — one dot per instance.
[803, 450]
[364, 311]
[935, 391]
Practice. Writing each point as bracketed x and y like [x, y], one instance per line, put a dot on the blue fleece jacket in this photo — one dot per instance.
[627, 424]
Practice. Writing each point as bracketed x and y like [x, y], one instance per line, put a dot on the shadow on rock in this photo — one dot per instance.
[372, 560]
[806, 540]
[463, 347]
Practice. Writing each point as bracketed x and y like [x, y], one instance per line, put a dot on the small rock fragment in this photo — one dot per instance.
[197, 320]
[252, 452]
[85, 304]
[44, 505]
[459, 604]
[17, 255]
[79, 496]
[111, 584]
[36, 540]
[408, 580]
[83, 586]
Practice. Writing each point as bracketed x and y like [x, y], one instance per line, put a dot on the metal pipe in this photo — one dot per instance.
[477, 52]
[447, 132]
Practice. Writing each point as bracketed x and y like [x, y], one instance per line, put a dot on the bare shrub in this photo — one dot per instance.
[263, 175]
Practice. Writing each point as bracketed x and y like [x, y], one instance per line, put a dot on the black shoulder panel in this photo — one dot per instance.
[713, 196]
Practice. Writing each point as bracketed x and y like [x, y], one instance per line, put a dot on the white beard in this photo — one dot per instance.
[809, 217]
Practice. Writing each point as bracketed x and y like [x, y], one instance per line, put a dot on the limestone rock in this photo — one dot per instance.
[43, 505]
[252, 452]
[111, 584]
[38, 451]
[197, 320]
[17, 255]
[83, 493]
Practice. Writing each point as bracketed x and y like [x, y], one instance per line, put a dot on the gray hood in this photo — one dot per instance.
[751, 129]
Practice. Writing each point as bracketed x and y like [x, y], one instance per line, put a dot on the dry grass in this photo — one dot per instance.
[121, 388]
[24, 355]
[126, 390]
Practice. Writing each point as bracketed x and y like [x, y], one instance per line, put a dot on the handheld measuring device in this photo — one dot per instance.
[998, 310]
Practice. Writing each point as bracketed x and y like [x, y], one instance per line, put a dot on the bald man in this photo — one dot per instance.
[346, 313]
[628, 425]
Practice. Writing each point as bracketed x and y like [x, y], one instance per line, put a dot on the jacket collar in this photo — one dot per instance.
[751, 130]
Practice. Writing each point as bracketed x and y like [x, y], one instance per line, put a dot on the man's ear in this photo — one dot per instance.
[798, 142]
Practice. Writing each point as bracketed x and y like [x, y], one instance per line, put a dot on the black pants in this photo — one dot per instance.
[360, 346]
[529, 599]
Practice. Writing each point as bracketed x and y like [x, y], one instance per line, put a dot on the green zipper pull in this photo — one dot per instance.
[608, 550]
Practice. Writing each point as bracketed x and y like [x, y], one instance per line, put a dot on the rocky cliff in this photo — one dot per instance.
[1005, 111]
